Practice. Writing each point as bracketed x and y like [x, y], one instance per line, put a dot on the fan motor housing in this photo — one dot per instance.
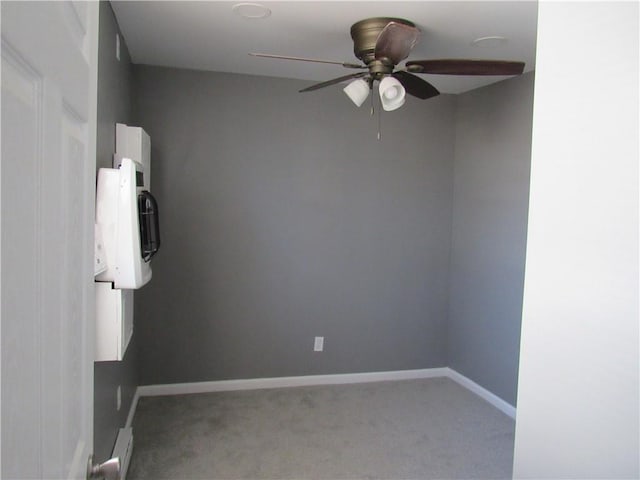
[365, 34]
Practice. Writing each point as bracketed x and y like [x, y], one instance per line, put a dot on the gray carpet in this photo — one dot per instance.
[410, 429]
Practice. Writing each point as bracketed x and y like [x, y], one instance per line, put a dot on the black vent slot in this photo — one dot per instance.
[149, 225]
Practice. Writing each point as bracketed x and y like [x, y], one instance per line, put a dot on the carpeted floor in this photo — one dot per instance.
[410, 429]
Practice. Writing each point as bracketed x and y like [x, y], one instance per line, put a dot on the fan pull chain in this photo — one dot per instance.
[373, 111]
[379, 122]
[372, 95]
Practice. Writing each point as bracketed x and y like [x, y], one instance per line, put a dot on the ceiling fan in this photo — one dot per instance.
[381, 43]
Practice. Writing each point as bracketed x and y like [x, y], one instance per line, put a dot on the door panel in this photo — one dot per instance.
[21, 122]
[47, 199]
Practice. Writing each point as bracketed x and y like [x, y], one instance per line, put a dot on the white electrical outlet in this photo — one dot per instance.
[118, 398]
[318, 344]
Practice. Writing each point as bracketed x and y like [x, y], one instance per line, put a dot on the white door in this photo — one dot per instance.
[47, 186]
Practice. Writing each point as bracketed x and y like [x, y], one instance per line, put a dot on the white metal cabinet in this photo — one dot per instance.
[134, 143]
[114, 321]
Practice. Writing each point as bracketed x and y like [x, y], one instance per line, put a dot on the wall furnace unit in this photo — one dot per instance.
[127, 237]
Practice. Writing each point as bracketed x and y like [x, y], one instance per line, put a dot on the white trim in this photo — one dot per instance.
[482, 392]
[132, 408]
[283, 382]
[122, 450]
[311, 380]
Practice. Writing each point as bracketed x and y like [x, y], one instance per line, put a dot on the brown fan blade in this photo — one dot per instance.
[415, 85]
[396, 41]
[334, 81]
[465, 67]
[304, 59]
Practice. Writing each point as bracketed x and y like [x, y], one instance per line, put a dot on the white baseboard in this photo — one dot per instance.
[283, 382]
[122, 450]
[311, 380]
[482, 392]
[132, 408]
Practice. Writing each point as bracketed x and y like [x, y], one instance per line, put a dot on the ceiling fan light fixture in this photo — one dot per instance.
[381, 43]
[392, 94]
[357, 91]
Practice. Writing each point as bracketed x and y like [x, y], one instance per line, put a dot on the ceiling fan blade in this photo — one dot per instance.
[396, 41]
[304, 59]
[415, 85]
[465, 67]
[334, 81]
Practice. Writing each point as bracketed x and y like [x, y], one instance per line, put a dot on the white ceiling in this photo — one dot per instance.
[210, 36]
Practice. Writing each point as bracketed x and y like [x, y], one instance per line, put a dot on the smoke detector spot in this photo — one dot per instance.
[493, 41]
[251, 10]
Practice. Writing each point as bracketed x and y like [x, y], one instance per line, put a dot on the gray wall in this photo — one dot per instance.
[114, 105]
[491, 187]
[283, 218]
